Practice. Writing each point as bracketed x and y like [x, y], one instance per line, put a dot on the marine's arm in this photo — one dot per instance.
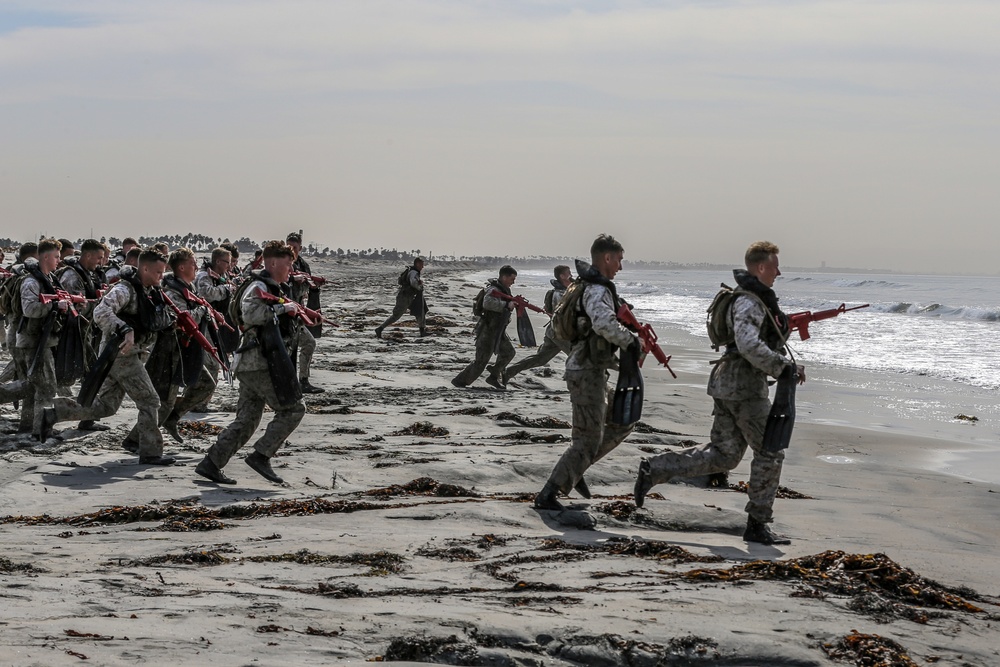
[71, 282]
[415, 282]
[599, 306]
[106, 312]
[255, 310]
[748, 321]
[206, 288]
[31, 304]
[495, 303]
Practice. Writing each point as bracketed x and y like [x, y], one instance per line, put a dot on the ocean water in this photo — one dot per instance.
[925, 351]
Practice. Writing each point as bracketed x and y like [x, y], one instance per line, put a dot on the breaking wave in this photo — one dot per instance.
[939, 310]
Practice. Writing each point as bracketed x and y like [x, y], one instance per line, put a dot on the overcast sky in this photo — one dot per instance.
[859, 133]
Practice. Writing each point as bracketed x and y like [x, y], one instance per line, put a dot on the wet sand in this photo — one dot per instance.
[406, 531]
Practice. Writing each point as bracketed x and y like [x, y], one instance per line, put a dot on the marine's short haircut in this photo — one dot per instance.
[293, 237]
[220, 252]
[277, 248]
[133, 253]
[178, 257]
[560, 270]
[66, 244]
[128, 240]
[150, 255]
[45, 245]
[161, 248]
[90, 245]
[759, 251]
[605, 243]
[26, 250]
[507, 270]
[233, 250]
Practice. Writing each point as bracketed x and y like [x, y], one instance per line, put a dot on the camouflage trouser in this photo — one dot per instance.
[256, 391]
[543, 355]
[307, 346]
[737, 424]
[174, 400]
[403, 301]
[593, 433]
[43, 387]
[128, 376]
[484, 350]
[15, 390]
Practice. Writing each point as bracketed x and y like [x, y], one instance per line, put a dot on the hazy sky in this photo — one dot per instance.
[859, 133]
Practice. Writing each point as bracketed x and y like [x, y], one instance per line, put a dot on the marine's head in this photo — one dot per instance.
[127, 244]
[222, 260]
[233, 250]
[563, 275]
[152, 264]
[91, 254]
[761, 260]
[183, 264]
[418, 263]
[507, 276]
[294, 241]
[29, 249]
[132, 256]
[67, 249]
[606, 255]
[48, 255]
[278, 260]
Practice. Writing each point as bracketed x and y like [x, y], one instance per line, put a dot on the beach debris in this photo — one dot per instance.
[87, 635]
[447, 650]
[451, 554]
[188, 524]
[137, 513]
[196, 428]
[423, 429]
[967, 418]
[422, 486]
[541, 422]
[348, 430]
[783, 491]
[643, 427]
[271, 627]
[527, 436]
[77, 654]
[627, 546]
[7, 566]
[866, 650]
[476, 410]
[379, 563]
[855, 575]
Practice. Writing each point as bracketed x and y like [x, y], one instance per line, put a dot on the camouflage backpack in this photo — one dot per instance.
[717, 320]
[10, 296]
[235, 314]
[569, 322]
[477, 303]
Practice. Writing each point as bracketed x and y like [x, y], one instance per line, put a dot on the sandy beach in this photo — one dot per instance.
[406, 532]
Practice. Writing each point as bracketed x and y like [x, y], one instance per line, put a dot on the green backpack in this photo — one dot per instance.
[10, 296]
[566, 325]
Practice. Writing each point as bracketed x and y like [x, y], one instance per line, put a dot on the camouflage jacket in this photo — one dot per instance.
[597, 349]
[33, 314]
[213, 290]
[121, 299]
[742, 373]
[255, 312]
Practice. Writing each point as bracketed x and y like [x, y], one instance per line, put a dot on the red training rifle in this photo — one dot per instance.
[308, 316]
[800, 321]
[647, 337]
[188, 327]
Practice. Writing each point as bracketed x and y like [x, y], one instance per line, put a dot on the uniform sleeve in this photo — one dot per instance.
[414, 278]
[206, 288]
[557, 296]
[494, 303]
[599, 305]
[748, 319]
[255, 310]
[71, 282]
[31, 304]
[106, 312]
[197, 313]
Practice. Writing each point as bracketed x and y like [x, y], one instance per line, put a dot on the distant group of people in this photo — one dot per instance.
[151, 324]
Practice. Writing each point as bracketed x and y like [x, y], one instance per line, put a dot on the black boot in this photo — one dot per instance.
[718, 480]
[157, 460]
[758, 531]
[48, 421]
[546, 498]
[643, 483]
[378, 332]
[582, 488]
[209, 470]
[170, 426]
[308, 388]
[262, 465]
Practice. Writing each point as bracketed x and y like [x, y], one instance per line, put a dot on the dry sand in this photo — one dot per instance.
[458, 567]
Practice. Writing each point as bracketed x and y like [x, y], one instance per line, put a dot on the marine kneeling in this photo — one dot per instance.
[264, 368]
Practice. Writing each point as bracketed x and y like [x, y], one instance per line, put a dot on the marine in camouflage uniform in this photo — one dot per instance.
[738, 386]
[257, 389]
[173, 403]
[300, 292]
[80, 276]
[38, 279]
[410, 288]
[491, 333]
[119, 311]
[550, 347]
[592, 355]
[213, 285]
